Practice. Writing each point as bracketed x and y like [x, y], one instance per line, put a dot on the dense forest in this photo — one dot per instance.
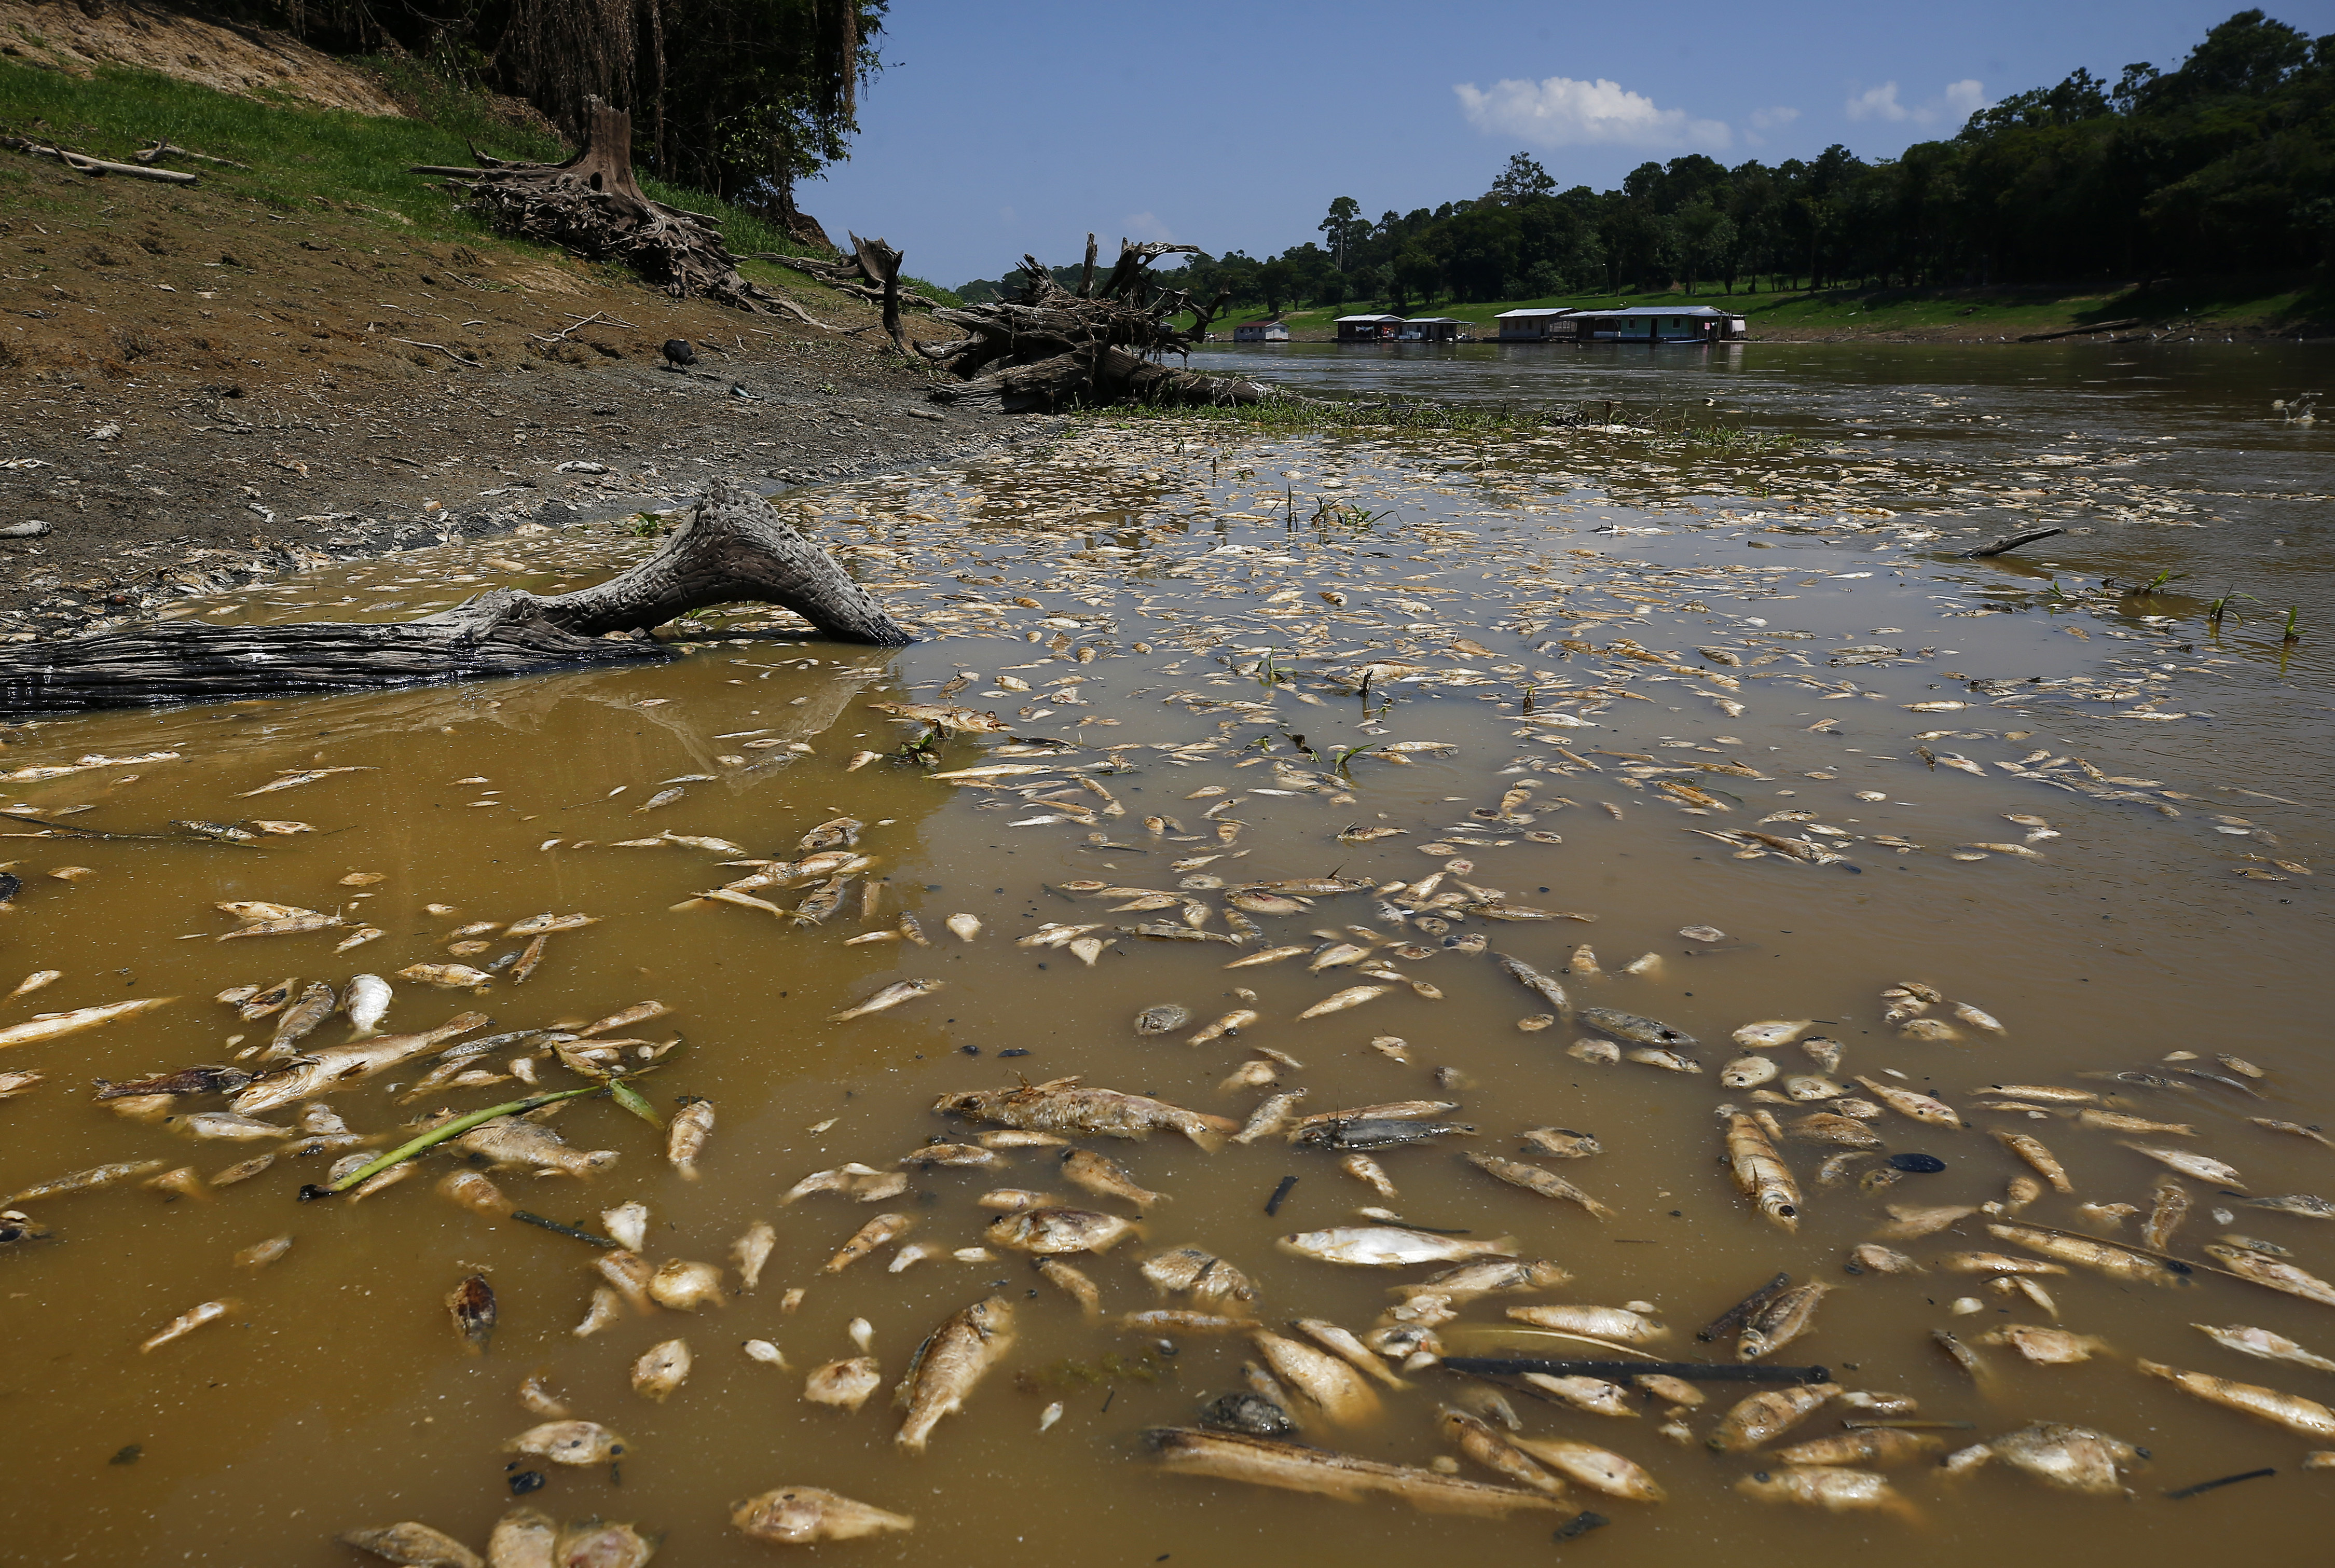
[743, 98]
[2224, 165]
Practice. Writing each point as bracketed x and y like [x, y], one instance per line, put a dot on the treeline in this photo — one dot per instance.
[743, 98]
[2224, 165]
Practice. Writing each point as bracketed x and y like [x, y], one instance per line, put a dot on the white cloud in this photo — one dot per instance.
[1561, 112]
[1147, 226]
[1958, 103]
[1878, 103]
[1773, 118]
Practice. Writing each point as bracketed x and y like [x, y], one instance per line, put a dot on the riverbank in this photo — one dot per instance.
[2239, 309]
[321, 356]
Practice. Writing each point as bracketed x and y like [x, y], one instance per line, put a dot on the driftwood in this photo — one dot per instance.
[95, 166]
[870, 271]
[2080, 331]
[1099, 344]
[2009, 542]
[593, 204]
[730, 546]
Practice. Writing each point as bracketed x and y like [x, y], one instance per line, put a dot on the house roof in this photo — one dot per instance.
[1533, 314]
[1659, 310]
[1343, 319]
[1425, 320]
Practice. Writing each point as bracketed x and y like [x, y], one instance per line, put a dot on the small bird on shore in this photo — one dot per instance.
[678, 354]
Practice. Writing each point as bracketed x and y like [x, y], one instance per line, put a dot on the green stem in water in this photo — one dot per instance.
[447, 1132]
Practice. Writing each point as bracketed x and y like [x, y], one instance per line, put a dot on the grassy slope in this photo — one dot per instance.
[1949, 313]
[302, 156]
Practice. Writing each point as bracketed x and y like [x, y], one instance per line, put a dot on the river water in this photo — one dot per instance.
[2086, 814]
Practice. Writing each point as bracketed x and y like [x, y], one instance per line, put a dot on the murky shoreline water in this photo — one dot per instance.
[1179, 611]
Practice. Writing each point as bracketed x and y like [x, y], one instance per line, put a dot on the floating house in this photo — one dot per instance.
[1541, 324]
[1659, 324]
[1264, 329]
[1432, 329]
[1368, 328]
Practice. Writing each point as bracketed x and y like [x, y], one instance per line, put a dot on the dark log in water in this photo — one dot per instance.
[732, 546]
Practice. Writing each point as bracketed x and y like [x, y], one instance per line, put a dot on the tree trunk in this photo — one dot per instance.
[591, 204]
[732, 546]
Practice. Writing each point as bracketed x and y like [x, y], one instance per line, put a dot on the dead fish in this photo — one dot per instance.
[2169, 1208]
[1772, 1032]
[568, 1443]
[1480, 1441]
[685, 1136]
[948, 1365]
[103, 1176]
[1783, 1320]
[417, 1545]
[2293, 1411]
[2032, 1151]
[881, 1231]
[1532, 980]
[2297, 1128]
[1631, 1028]
[2279, 1276]
[1995, 1264]
[597, 1543]
[1193, 1272]
[1177, 1320]
[1906, 1102]
[1760, 1172]
[1273, 1114]
[1910, 1222]
[1872, 1446]
[803, 1515]
[1064, 1105]
[293, 780]
[448, 976]
[1534, 1179]
[1162, 1019]
[190, 1080]
[1105, 1177]
[1488, 1277]
[2115, 1121]
[1048, 1231]
[219, 1124]
[846, 1385]
[64, 1024]
[1599, 1469]
[316, 1004]
[1832, 1488]
[863, 1183]
[2188, 1164]
[1339, 1002]
[472, 1306]
[188, 1321]
[2045, 1346]
[1292, 1467]
[1747, 1073]
[1326, 1382]
[820, 903]
[1562, 1142]
[1832, 1127]
[685, 1286]
[1368, 1132]
[2304, 1204]
[1389, 1246]
[511, 1143]
[2098, 1257]
[891, 995]
[1618, 1324]
[837, 832]
[1763, 1417]
[2263, 1343]
[2075, 1458]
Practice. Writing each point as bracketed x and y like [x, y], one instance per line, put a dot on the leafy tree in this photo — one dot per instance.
[1523, 177]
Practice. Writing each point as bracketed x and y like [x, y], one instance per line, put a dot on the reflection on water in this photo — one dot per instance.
[2109, 843]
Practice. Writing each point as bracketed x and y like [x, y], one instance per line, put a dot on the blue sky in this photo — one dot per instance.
[999, 128]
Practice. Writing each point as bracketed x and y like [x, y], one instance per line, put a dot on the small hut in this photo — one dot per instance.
[1264, 329]
[1368, 328]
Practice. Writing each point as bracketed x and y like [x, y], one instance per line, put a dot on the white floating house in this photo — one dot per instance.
[1660, 323]
[1540, 324]
[1264, 329]
[1432, 329]
[1368, 328]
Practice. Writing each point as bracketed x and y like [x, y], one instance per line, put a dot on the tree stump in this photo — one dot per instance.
[730, 545]
[593, 204]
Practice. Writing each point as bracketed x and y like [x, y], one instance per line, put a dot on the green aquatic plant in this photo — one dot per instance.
[2293, 631]
[2217, 608]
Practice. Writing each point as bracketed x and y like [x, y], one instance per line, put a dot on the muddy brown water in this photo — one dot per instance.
[336, 1395]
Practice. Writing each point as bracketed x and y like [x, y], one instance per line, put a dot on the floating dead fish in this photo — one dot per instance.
[2195, 1164]
[568, 1443]
[415, 1546]
[1768, 1415]
[1534, 1179]
[2263, 1343]
[881, 1231]
[846, 1385]
[2074, 1459]
[804, 1516]
[1618, 1325]
[2096, 1255]
[2045, 1346]
[1339, 1002]
[948, 1365]
[1065, 1105]
[1049, 1231]
[1265, 1462]
[2293, 1411]
[1389, 1246]
[81, 1181]
[1781, 1320]
[891, 996]
[1760, 1173]
[1368, 1132]
[188, 1321]
[1631, 1029]
[2248, 1264]
[1832, 1488]
[1162, 1020]
[64, 1024]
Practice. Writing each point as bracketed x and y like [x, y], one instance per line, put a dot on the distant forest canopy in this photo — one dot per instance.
[743, 98]
[2224, 165]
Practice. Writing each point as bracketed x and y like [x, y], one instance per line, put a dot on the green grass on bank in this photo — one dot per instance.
[301, 155]
[2268, 304]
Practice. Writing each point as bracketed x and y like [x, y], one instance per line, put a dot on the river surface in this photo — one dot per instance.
[1578, 672]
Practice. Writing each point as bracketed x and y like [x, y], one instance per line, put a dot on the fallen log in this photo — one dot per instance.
[2009, 542]
[2080, 331]
[730, 545]
[591, 204]
[1103, 343]
[96, 166]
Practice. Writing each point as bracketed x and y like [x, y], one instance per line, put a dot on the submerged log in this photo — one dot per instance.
[732, 546]
[1104, 342]
[591, 204]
